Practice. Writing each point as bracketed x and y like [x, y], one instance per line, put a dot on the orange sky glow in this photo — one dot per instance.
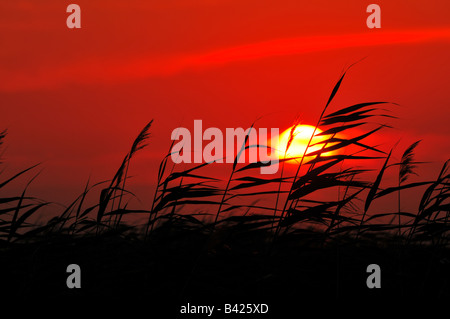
[75, 99]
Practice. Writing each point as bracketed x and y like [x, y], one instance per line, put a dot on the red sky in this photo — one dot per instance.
[75, 99]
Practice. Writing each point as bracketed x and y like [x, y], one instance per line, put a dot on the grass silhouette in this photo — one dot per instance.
[207, 239]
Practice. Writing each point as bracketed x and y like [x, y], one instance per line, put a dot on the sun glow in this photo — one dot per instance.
[301, 137]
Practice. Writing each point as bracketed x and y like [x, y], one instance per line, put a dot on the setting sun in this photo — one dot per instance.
[301, 136]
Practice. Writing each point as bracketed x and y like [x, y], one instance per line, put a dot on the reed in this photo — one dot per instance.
[189, 206]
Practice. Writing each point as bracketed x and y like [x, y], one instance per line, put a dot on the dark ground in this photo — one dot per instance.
[173, 268]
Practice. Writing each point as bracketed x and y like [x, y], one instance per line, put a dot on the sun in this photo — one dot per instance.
[301, 137]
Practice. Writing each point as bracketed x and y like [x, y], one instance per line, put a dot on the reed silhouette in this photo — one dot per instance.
[203, 238]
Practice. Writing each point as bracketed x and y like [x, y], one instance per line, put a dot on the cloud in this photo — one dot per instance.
[116, 70]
